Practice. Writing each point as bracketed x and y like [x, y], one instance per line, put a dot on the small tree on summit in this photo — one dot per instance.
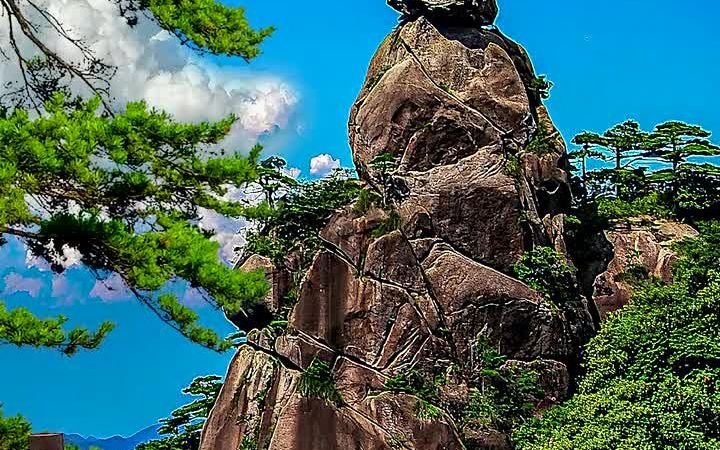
[621, 145]
[674, 142]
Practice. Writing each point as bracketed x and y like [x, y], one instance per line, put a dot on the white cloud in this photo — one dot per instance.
[322, 165]
[15, 282]
[152, 65]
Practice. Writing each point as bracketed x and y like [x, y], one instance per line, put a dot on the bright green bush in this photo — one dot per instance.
[653, 372]
[549, 273]
[317, 382]
[654, 204]
[14, 433]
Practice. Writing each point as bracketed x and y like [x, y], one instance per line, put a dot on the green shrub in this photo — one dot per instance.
[366, 199]
[501, 395]
[317, 382]
[541, 86]
[388, 225]
[653, 204]
[14, 433]
[425, 410]
[541, 142]
[548, 272]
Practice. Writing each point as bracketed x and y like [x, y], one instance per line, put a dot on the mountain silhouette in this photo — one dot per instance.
[114, 442]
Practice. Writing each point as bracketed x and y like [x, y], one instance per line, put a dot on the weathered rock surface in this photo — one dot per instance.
[417, 283]
[637, 247]
[458, 12]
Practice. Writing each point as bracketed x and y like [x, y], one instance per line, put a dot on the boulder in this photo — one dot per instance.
[456, 12]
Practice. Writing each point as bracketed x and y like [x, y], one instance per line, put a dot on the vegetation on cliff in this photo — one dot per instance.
[124, 186]
[651, 376]
[653, 372]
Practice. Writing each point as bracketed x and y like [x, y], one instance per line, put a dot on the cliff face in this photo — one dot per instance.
[415, 284]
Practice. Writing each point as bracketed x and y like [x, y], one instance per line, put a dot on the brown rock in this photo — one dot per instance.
[641, 247]
[452, 104]
[256, 389]
[351, 233]
[479, 301]
[356, 316]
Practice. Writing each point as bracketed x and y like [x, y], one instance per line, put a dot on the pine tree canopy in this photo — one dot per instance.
[123, 185]
[181, 431]
[676, 141]
[619, 143]
[126, 192]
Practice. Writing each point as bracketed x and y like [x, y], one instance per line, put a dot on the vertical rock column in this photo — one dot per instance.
[414, 281]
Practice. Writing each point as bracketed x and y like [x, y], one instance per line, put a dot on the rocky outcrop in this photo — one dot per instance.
[641, 248]
[421, 281]
[455, 12]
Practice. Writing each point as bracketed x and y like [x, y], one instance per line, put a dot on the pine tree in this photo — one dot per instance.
[126, 186]
[182, 429]
[14, 433]
[675, 142]
[621, 145]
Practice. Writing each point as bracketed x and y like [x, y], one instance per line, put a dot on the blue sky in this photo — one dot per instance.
[651, 60]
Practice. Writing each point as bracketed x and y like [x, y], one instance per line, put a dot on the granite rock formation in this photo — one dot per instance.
[418, 281]
[643, 248]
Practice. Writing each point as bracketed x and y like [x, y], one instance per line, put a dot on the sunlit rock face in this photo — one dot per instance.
[452, 102]
[640, 248]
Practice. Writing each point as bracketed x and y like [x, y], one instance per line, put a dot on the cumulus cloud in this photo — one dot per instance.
[322, 165]
[15, 283]
[152, 65]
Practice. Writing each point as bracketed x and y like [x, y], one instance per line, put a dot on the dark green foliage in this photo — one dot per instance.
[541, 142]
[182, 429]
[14, 433]
[21, 328]
[653, 372]
[383, 166]
[675, 142]
[501, 395]
[248, 443]
[416, 383]
[209, 26]
[317, 382]
[366, 199]
[676, 187]
[512, 167]
[548, 272]
[391, 223]
[653, 204]
[541, 86]
[423, 386]
[296, 218]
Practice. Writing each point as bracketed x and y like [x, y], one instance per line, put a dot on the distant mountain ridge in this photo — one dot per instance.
[114, 442]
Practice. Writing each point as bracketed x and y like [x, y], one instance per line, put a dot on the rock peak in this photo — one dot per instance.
[450, 12]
